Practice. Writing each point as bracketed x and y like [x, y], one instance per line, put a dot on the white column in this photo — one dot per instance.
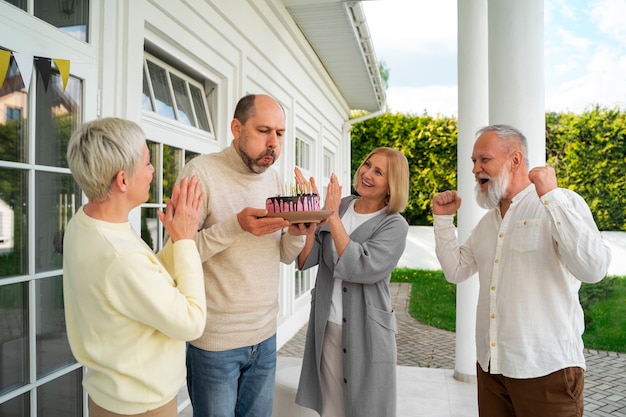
[516, 70]
[473, 113]
[500, 78]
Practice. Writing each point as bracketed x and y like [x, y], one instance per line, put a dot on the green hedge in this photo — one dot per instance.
[428, 143]
[588, 152]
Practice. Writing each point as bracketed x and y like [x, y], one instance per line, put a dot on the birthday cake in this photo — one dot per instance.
[294, 203]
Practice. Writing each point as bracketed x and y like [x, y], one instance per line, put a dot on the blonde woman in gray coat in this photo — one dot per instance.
[349, 365]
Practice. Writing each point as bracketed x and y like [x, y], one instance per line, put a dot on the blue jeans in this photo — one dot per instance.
[232, 383]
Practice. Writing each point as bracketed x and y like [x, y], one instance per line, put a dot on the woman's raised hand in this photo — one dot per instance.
[182, 211]
[333, 194]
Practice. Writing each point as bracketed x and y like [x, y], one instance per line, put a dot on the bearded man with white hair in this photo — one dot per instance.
[531, 250]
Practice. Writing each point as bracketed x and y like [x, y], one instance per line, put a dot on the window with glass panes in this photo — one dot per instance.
[303, 154]
[174, 95]
[328, 164]
[302, 279]
[38, 196]
[69, 16]
[168, 161]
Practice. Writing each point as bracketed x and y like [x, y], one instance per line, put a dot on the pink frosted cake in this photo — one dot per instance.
[300, 202]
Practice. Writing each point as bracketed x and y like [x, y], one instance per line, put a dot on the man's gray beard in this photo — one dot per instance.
[251, 163]
[495, 191]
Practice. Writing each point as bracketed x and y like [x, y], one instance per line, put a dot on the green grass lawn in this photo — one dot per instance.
[433, 302]
[605, 314]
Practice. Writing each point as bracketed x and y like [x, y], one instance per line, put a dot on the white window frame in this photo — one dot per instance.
[206, 92]
[303, 149]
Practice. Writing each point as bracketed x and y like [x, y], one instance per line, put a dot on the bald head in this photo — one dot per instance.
[258, 127]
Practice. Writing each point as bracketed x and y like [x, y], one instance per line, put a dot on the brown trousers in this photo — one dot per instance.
[168, 410]
[559, 394]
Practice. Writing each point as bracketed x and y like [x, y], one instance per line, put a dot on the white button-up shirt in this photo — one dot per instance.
[529, 321]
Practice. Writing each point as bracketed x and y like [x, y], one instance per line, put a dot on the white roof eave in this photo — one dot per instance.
[337, 31]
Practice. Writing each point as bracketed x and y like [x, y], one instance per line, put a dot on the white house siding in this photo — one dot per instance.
[242, 47]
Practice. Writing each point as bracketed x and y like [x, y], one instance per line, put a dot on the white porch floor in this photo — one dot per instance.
[422, 392]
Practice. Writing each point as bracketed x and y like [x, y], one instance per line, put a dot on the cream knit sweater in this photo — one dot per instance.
[129, 312]
[241, 271]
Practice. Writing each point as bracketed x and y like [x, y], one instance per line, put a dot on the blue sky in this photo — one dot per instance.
[585, 53]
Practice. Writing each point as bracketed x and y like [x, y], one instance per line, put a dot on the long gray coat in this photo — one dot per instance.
[369, 323]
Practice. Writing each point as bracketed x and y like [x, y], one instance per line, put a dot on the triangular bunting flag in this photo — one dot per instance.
[43, 66]
[25, 65]
[64, 69]
[5, 60]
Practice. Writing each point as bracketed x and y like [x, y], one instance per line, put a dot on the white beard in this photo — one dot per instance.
[496, 191]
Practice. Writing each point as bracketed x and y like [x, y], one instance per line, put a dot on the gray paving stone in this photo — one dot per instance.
[426, 346]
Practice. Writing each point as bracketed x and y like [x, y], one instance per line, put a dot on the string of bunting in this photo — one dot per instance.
[25, 64]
